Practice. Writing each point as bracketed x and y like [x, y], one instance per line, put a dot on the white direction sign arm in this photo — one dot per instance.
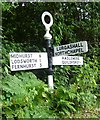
[71, 49]
[68, 60]
[27, 61]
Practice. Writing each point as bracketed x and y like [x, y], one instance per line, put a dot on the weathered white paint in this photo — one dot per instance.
[71, 49]
[47, 25]
[50, 81]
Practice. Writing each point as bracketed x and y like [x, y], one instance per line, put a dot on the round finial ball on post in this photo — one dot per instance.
[47, 25]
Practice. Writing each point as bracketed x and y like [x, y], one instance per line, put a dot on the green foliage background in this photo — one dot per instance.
[77, 88]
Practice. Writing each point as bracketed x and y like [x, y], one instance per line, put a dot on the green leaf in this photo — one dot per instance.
[6, 70]
[66, 111]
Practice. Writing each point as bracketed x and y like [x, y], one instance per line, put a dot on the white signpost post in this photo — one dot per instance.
[28, 61]
[36, 60]
[71, 49]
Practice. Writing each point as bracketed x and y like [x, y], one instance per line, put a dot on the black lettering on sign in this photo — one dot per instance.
[40, 64]
[40, 56]
[81, 44]
[23, 66]
[40, 60]
[21, 55]
[18, 61]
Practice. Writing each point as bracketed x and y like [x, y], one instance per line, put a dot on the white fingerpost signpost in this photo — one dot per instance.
[41, 60]
[48, 37]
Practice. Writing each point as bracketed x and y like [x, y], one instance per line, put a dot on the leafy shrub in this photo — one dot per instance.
[76, 86]
[23, 96]
[80, 80]
[61, 101]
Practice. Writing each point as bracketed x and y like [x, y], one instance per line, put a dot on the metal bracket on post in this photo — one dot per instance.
[48, 37]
